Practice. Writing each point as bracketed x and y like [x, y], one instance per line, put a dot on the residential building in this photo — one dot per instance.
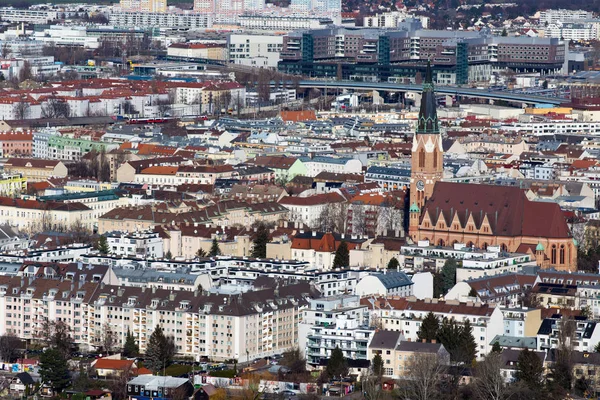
[35, 216]
[318, 248]
[392, 283]
[406, 352]
[160, 387]
[35, 170]
[140, 244]
[145, 19]
[12, 185]
[405, 315]
[316, 165]
[346, 332]
[505, 289]
[190, 51]
[389, 178]
[254, 50]
[585, 338]
[158, 6]
[323, 312]
[308, 210]
[221, 327]
[285, 168]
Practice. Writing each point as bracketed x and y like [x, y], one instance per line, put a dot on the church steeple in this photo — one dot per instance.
[428, 121]
[427, 164]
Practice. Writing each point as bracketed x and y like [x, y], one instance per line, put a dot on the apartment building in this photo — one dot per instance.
[140, 244]
[12, 185]
[145, 19]
[345, 330]
[36, 216]
[308, 210]
[35, 170]
[158, 6]
[254, 50]
[241, 326]
[585, 338]
[100, 202]
[405, 315]
[323, 312]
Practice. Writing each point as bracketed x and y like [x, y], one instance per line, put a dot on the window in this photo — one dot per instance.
[422, 158]
[562, 253]
[553, 254]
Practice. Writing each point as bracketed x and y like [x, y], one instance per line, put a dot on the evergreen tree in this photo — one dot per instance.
[342, 256]
[448, 275]
[377, 366]
[393, 264]
[201, 253]
[54, 369]
[429, 328]
[169, 255]
[468, 347]
[337, 365]
[159, 351]
[103, 247]
[496, 348]
[530, 369]
[214, 248]
[473, 293]
[449, 334]
[130, 349]
[259, 248]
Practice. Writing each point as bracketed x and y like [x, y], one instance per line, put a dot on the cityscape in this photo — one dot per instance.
[299, 199]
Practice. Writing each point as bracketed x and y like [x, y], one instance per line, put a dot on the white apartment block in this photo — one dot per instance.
[320, 164]
[254, 50]
[554, 16]
[165, 20]
[405, 315]
[336, 321]
[242, 326]
[281, 23]
[140, 244]
[10, 14]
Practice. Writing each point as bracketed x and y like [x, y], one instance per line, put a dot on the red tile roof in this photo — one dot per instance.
[507, 209]
[318, 199]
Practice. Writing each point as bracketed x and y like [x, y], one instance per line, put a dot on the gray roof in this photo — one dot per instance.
[394, 279]
[515, 341]
[149, 275]
[404, 172]
[419, 347]
[385, 340]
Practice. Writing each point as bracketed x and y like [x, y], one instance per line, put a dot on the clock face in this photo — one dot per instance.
[420, 185]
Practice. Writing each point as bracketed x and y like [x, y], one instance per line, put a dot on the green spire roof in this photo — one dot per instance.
[414, 208]
[575, 242]
[428, 121]
[539, 247]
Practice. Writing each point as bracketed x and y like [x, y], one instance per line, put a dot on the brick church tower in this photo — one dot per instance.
[427, 154]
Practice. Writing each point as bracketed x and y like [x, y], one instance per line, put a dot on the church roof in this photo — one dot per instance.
[507, 209]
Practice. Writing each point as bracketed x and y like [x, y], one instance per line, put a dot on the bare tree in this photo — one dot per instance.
[55, 107]
[129, 108]
[359, 224]
[56, 335]
[25, 73]
[6, 50]
[21, 109]
[164, 107]
[423, 374]
[9, 344]
[333, 218]
[109, 339]
[489, 382]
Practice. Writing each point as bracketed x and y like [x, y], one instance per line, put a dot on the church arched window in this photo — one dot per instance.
[562, 253]
[553, 254]
[435, 158]
[421, 158]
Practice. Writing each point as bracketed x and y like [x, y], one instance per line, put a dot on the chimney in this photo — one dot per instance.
[153, 289]
[433, 341]
[314, 233]
[171, 296]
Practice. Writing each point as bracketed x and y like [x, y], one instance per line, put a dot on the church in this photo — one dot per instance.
[478, 215]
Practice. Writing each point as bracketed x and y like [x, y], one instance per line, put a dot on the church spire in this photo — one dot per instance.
[428, 122]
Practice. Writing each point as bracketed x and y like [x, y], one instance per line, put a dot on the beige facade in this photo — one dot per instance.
[35, 216]
[36, 170]
[243, 327]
